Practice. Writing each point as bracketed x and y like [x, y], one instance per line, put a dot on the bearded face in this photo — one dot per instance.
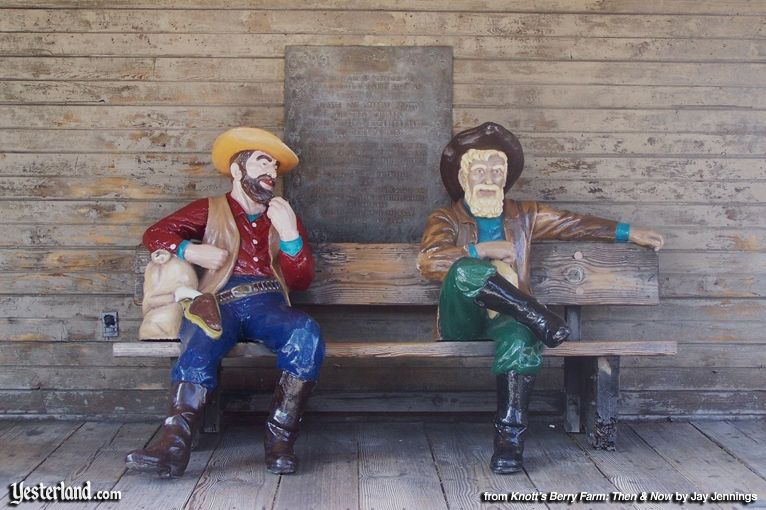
[485, 200]
[260, 189]
[259, 171]
[483, 178]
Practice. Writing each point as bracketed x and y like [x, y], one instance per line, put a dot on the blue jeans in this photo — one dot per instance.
[266, 318]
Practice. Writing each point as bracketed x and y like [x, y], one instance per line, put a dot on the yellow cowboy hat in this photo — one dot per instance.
[236, 140]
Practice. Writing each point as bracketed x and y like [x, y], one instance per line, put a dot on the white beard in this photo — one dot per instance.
[485, 207]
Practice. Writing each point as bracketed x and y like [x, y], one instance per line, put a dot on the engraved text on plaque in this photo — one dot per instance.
[369, 125]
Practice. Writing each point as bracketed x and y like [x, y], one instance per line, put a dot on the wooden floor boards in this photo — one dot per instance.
[426, 464]
[26, 445]
[461, 452]
[700, 459]
[329, 468]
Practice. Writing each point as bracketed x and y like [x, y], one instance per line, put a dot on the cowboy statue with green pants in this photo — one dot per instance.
[479, 249]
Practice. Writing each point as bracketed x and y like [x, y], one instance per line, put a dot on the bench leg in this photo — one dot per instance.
[601, 423]
[574, 368]
[212, 420]
[574, 372]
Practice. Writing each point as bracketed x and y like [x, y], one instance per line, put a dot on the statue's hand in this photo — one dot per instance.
[283, 218]
[646, 237]
[206, 255]
[497, 250]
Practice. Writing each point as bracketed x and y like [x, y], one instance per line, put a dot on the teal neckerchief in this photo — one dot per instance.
[490, 229]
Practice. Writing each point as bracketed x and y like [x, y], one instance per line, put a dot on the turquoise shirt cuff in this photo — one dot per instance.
[622, 233]
[291, 248]
[472, 251]
[182, 248]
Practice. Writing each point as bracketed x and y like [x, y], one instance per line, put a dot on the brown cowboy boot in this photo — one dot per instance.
[513, 394]
[169, 454]
[502, 296]
[287, 406]
[204, 312]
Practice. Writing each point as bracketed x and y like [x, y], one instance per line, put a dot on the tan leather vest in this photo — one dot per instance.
[221, 231]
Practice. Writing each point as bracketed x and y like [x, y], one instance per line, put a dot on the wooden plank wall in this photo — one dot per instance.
[649, 112]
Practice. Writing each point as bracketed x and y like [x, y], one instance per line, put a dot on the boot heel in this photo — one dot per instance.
[174, 472]
[195, 439]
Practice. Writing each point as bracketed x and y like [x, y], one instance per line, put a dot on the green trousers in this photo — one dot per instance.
[460, 318]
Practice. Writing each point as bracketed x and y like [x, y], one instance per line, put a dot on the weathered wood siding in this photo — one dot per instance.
[649, 112]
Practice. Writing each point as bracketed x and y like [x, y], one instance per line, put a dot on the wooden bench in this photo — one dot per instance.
[563, 273]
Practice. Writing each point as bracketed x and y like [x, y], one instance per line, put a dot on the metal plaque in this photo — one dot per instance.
[369, 125]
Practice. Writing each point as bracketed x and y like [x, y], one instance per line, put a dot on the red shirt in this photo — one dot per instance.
[253, 260]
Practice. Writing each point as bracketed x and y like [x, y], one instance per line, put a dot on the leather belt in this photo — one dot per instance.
[248, 289]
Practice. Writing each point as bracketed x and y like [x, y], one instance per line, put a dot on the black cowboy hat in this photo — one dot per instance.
[487, 136]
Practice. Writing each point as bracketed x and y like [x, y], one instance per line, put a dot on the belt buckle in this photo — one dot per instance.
[242, 290]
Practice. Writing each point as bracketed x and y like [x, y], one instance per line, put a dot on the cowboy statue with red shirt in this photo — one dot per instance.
[252, 250]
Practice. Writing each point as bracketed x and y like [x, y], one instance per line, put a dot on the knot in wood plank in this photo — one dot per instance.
[574, 274]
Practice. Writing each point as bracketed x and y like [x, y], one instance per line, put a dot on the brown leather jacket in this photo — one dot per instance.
[449, 231]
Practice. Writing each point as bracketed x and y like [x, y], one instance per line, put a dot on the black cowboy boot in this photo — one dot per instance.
[513, 393]
[287, 406]
[169, 454]
[502, 296]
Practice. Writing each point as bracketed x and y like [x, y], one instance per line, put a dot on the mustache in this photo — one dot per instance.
[253, 187]
[486, 187]
[497, 192]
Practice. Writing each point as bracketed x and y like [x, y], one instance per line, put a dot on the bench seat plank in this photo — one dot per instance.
[167, 349]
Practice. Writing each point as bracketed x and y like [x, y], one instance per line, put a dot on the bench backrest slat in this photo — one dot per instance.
[565, 273]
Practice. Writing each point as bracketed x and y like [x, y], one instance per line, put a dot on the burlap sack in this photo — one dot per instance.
[162, 315]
